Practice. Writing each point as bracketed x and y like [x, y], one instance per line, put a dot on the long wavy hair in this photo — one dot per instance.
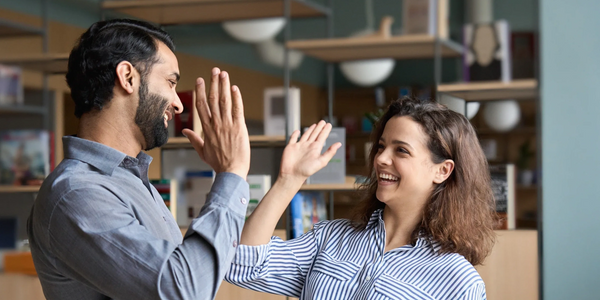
[460, 213]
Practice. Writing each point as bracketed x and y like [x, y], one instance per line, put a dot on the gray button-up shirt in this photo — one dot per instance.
[100, 230]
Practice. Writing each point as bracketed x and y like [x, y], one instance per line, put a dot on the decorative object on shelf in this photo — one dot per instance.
[480, 11]
[487, 52]
[335, 170]
[24, 156]
[490, 148]
[186, 118]
[274, 111]
[503, 187]
[306, 209]
[254, 30]
[502, 116]
[526, 174]
[458, 105]
[370, 72]
[422, 16]
[273, 53]
[11, 85]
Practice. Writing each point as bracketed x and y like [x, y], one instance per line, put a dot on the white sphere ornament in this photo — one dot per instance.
[273, 53]
[458, 105]
[254, 30]
[368, 72]
[502, 115]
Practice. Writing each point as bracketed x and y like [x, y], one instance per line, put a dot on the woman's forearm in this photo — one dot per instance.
[260, 225]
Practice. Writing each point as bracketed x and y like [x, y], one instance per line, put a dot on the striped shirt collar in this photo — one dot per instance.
[424, 241]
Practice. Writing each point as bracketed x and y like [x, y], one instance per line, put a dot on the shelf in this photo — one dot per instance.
[46, 62]
[19, 188]
[14, 29]
[349, 185]
[255, 140]
[492, 90]
[21, 109]
[170, 12]
[518, 130]
[398, 47]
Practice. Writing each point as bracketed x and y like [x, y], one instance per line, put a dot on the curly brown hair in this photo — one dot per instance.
[460, 213]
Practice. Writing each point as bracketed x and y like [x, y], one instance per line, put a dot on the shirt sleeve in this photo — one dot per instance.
[476, 292]
[279, 267]
[97, 239]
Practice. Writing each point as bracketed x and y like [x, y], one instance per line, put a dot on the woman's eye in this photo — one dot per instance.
[402, 150]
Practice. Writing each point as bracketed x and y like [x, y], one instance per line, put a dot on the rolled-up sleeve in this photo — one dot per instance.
[97, 239]
[279, 267]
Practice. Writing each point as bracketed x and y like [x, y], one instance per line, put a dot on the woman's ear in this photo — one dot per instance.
[443, 171]
[125, 76]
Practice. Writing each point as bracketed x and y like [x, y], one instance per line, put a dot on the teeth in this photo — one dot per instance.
[388, 177]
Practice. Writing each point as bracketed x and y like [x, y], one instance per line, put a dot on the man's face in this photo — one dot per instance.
[158, 106]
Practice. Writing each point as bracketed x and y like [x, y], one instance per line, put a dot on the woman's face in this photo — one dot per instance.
[403, 164]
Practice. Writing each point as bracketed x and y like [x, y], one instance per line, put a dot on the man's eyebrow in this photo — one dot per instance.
[177, 76]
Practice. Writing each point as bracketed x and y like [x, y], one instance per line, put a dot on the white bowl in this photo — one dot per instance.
[254, 30]
[368, 72]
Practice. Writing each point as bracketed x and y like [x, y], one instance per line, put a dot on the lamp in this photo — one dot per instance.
[272, 52]
[502, 115]
[254, 30]
[368, 72]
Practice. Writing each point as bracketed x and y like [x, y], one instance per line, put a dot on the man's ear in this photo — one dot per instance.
[126, 75]
[443, 171]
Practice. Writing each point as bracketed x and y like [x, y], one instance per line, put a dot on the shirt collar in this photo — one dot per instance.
[424, 241]
[102, 157]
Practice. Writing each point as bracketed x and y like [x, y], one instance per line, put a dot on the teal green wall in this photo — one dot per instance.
[570, 74]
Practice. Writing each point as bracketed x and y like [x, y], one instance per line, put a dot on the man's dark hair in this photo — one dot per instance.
[93, 61]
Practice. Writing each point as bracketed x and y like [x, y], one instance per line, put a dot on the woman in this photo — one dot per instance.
[426, 219]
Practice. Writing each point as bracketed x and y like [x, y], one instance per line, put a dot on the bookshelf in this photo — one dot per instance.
[21, 109]
[19, 188]
[173, 12]
[14, 29]
[398, 47]
[49, 63]
[348, 185]
[255, 140]
[492, 90]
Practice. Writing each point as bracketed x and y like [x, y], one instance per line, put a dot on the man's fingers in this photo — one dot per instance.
[225, 97]
[237, 110]
[201, 104]
[213, 95]
[196, 141]
[322, 137]
[307, 133]
[294, 137]
[315, 133]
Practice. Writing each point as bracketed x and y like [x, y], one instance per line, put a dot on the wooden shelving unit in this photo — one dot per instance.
[52, 63]
[349, 185]
[170, 12]
[21, 109]
[19, 188]
[255, 140]
[398, 47]
[492, 90]
[13, 29]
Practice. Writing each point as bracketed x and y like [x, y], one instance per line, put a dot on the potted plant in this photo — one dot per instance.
[523, 164]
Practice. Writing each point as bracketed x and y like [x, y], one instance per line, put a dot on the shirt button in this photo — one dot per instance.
[368, 278]
[235, 244]
[244, 201]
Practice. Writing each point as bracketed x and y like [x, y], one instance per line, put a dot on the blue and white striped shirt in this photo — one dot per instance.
[337, 261]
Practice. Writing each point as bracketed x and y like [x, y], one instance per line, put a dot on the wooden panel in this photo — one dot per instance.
[511, 271]
[492, 90]
[51, 62]
[206, 11]
[15, 29]
[154, 171]
[20, 287]
[398, 47]
[19, 189]
[346, 186]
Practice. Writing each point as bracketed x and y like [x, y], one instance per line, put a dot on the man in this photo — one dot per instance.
[98, 228]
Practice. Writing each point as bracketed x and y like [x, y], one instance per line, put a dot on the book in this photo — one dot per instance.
[274, 111]
[335, 170]
[195, 188]
[24, 157]
[487, 52]
[425, 17]
[306, 209]
[259, 186]
[11, 85]
[168, 190]
[503, 187]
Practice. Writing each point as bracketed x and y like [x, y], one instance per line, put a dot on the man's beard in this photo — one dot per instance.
[149, 117]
